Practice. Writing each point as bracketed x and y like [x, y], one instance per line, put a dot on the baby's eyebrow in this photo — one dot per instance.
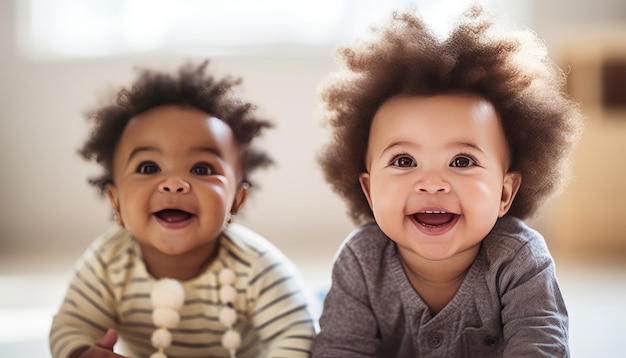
[141, 149]
[468, 144]
[211, 150]
[459, 144]
[396, 144]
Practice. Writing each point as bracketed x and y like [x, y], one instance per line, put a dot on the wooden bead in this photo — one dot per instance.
[227, 294]
[161, 338]
[226, 276]
[168, 292]
[228, 316]
[231, 340]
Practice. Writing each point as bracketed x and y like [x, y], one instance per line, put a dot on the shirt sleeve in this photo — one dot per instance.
[87, 310]
[534, 317]
[280, 310]
[348, 328]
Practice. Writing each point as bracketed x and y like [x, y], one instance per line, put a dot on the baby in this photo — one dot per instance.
[177, 278]
[440, 149]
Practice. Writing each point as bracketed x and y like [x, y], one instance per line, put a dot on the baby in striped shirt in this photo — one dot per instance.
[176, 153]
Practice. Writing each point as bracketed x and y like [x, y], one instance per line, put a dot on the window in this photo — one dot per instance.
[101, 28]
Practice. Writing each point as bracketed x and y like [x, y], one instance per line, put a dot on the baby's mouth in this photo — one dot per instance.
[173, 215]
[434, 218]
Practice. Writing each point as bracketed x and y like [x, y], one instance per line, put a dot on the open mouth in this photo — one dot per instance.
[173, 215]
[434, 218]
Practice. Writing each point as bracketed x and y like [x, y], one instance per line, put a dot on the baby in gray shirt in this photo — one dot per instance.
[440, 148]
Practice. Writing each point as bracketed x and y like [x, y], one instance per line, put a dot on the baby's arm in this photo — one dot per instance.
[281, 312]
[348, 326]
[534, 317]
[86, 313]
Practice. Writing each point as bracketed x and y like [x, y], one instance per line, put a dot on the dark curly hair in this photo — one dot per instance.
[192, 87]
[509, 68]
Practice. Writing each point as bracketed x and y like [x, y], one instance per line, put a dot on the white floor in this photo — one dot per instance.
[34, 286]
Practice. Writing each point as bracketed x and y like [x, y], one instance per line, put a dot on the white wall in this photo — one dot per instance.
[46, 201]
[47, 205]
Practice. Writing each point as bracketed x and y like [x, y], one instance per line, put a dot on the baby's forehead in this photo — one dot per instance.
[177, 126]
[448, 120]
[444, 106]
[179, 117]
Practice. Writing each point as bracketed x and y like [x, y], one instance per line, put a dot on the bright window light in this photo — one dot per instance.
[102, 28]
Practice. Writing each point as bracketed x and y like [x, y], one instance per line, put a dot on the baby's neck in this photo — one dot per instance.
[437, 282]
[180, 267]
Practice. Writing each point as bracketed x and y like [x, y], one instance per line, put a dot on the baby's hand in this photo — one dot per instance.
[103, 348]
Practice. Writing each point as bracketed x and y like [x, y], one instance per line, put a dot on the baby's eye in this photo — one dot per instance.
[148, 168]
[202, 169]
[404, 161]
[462, 161]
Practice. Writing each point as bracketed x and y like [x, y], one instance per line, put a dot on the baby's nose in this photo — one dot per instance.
[431, 183]
[174, 184]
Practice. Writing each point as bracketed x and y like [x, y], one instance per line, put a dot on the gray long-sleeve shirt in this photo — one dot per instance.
[509, 304]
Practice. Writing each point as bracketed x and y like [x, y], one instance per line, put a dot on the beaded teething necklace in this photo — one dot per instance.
[168, 296]
[231, 340]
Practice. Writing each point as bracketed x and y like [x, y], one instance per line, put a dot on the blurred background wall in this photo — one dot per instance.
[49, 214]
[588, 41]
[47, 205]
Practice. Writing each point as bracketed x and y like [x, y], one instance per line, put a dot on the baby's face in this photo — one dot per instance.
[437, 175]
[176, 174]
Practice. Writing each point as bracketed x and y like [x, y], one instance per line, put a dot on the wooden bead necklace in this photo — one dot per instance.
[168, 296]
[231, 340]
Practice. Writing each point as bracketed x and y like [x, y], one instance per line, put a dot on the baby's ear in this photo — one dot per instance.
[111, 191]
[510, 186]
[364, 179]
[240, 198]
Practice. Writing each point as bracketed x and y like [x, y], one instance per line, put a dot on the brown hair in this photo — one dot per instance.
[510, 69]
[191, 87]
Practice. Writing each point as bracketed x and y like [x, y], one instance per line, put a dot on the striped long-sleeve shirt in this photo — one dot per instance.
[111, 289]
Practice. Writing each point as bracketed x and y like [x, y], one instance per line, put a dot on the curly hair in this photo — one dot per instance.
[192, 87]
[509, 68]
